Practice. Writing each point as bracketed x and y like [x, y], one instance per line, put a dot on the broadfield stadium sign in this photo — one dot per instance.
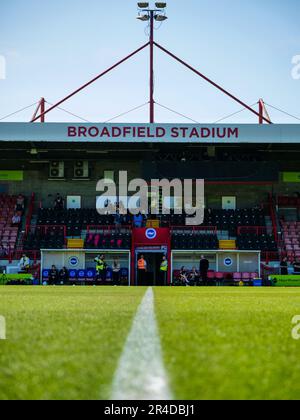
[143, 133]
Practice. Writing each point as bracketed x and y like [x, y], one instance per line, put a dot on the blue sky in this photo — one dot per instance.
[54, 46]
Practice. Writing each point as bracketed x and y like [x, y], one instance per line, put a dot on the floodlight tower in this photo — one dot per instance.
[146, 14]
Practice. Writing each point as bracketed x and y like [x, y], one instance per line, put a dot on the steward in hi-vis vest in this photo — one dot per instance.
[142, 265]
[101, 268]
[164, 266]
[141, 270]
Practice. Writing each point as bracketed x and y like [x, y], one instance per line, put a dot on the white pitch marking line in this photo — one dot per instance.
[141, 374]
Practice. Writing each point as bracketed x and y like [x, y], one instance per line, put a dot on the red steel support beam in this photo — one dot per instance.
[43, 109]
[211, 82]
[261, 111]
[152, 103]
[40, 108]
[89, 83]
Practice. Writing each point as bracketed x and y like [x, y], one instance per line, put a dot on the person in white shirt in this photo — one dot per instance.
[116, 271]
[16, 219]
[24, 263]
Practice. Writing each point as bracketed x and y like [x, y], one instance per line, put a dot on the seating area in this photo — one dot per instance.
[89, 276]
[231, 220]
[8, 231]
[45, 237]
[75, 220]
[217, 279]
[253, 242]
[287, 201]
[108, 240]
[194, 240]
[224, 220]
[291, 240]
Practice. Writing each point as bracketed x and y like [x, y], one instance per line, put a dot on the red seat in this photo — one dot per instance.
[237, 277]
[246, 277]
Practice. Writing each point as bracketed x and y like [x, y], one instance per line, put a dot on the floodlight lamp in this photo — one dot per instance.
[160, 18]
[143, 18]
[143, 5]
[161, 5]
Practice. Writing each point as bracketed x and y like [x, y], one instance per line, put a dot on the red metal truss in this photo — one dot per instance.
[40, 108]
[262, 114]
[213, 83]
[263, 111]
[89, 83]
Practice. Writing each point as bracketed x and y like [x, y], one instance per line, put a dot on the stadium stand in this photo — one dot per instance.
[287, 201]
[194, 240]
[9, 228]
[223, 220]
[291, 240]
[75, 220]
[78, 223]
[231, 220]
[108, 240]
[215, 278]
[45, 237]
[264, 242]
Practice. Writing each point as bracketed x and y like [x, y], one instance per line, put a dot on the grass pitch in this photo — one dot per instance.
[218, 343]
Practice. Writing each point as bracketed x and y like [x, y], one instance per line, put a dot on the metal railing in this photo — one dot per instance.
[195, 229]
[256, 230]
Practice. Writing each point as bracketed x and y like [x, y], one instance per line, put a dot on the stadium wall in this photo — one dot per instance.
[37, 180]
[45, 190]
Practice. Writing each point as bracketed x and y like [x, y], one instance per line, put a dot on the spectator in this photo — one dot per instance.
[116, 271]
[183, 276]
[204, 267]
[142, 270]
[59, 202]
[297, 268]
[64, 276]
[16, 219]
[53, 275]
[138, 220]
[4, 250]
[122, 209]
[284, 267]
[20, 204]
[194, 276]
[24, 263]
[118, 221]
[101, 268]
[164, 271]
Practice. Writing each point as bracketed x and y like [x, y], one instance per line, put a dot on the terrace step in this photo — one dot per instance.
[227, 244]
[152, 224]
[75, 244]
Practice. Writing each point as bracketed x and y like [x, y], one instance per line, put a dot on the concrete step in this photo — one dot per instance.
[227, 244]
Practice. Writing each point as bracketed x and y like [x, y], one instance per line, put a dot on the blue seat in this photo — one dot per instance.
[73, 276]
[109, 274]
[124, 275]
[81, 276]
[45, 275]
[124, 272]
[90, 274]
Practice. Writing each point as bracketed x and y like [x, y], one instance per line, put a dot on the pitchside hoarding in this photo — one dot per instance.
[144, 133]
